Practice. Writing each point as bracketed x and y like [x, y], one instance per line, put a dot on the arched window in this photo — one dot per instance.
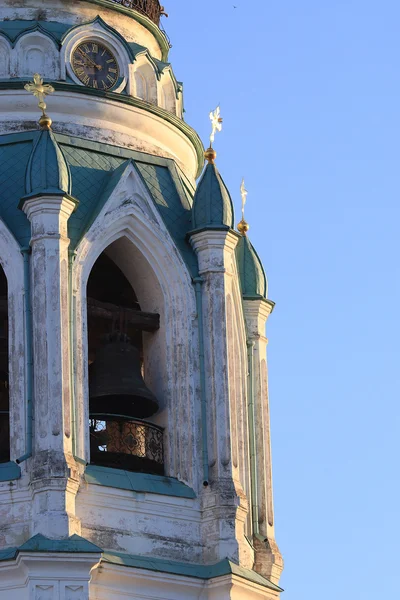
[141, 86]
[4, 395]
[120, 403]
[145, 83]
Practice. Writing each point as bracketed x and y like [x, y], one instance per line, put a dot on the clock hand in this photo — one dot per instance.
[87, 58]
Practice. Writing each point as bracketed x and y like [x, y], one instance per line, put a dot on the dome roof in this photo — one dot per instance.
[47, 171]
[212, 204]
[252, 275]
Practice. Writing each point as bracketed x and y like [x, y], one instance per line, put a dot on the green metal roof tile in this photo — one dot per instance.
[75, 543]
[47, 171]
[212, 204]
[137, 482]
[15, 28]
[161, 565]
[173, 206]
[252, 275]
[8, 554]
[14, 158]
[90, 173]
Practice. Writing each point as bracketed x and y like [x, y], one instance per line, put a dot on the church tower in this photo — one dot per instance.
[135, 455]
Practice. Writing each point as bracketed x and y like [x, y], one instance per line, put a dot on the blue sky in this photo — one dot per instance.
[310, 95]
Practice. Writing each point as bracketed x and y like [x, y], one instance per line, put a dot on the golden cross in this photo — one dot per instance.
[40, 90]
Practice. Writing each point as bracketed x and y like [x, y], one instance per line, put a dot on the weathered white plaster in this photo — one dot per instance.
[77, 13]
[35, 52]
[141, 523]
[112, 582]
[47, 576]
[143, 80]
[103, 120]
[268, 557]
[225, 503]
[54, 480]
[167, 93]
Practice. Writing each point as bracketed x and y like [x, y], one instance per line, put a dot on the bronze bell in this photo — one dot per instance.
[116, 385]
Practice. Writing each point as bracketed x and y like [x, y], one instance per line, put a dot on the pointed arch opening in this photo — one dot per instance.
[4, 372]
[121, 405]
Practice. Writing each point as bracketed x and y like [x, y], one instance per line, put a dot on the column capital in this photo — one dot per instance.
[257, 312]
[50, 204]
[214, 249]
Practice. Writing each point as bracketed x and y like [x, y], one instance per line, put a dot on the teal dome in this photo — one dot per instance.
[252, 275]
[212, 204]
[47, 171]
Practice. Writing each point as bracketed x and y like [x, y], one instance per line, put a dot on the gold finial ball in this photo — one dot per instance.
[210, 155]
[45, 122]
[243, 227]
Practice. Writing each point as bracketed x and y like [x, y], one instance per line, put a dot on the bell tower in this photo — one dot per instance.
[135, 455]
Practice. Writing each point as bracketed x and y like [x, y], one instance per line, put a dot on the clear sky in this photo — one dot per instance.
[310, 95]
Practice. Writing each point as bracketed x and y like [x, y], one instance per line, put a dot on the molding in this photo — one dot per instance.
[73, 94]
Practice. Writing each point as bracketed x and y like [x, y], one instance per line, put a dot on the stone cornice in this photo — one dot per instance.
[171, 119]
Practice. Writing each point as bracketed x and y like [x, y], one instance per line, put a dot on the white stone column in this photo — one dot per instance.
[54, 479]
[269, 561]
[224, 505]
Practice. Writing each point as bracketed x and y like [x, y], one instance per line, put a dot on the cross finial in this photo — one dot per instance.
[243, 226]
[216, 123]
[40, 90]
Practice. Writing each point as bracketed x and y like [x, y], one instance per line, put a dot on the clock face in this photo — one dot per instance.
[95, 65]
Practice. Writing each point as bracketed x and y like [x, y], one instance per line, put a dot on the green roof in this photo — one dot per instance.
[47, 171]
[89, 171]
[251, 271]
[14, 29]
[9, 471]
[40, 543]
[75, 543]
[161, 565]
[137, 482]
[212, 204]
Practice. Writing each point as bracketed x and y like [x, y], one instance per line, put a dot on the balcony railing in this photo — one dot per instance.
[150, 8]
[132, 445]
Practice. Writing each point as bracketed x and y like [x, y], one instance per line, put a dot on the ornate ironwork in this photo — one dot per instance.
[132, 445]
[150, 8]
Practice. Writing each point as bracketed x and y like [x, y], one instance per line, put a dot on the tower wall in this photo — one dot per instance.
[113, 179]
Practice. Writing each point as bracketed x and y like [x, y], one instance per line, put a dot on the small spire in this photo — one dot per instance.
[243, 226]
[216, 121]
[40, 90]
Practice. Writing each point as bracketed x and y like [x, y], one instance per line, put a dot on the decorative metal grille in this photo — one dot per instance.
[131, 445]
[150, 8]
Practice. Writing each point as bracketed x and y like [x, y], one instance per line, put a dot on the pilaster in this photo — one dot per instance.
[224, 502]
[48, 576]
[54, 480]
[268, 561]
